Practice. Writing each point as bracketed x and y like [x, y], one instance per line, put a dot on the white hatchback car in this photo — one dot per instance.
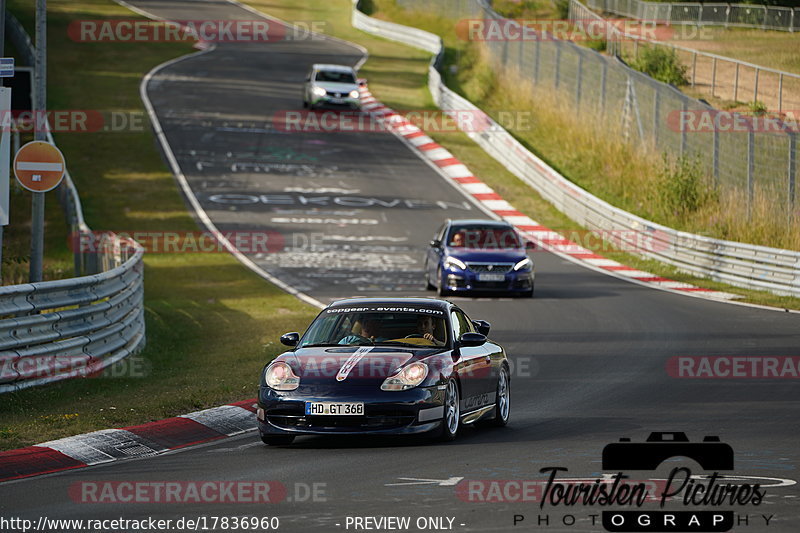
[331, 85]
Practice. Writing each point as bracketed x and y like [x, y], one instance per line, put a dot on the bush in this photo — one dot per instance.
[758, 108]
[661, 64]
[683, 187]
[598, 45]
[562, 8]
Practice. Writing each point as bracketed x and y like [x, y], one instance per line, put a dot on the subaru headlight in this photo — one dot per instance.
[319, 91]
[279, 376]
[454, 262]
[407, 377]
[354, 94]
[525, 264]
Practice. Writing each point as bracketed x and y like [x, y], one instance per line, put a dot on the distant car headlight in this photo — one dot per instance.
[407, 377]
[279, 376]
[354, 94]
[525, 264]
[319, 91]
[454, 262]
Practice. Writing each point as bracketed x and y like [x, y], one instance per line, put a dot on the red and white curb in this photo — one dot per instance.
[146, 440]
[542, 236]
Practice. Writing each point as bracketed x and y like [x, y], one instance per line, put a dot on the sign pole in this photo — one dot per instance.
[4, 160]
[39, 110]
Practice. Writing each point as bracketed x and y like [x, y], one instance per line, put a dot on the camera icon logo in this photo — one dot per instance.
[710, 454]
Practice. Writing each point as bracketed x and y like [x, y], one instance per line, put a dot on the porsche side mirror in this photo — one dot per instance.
[436, 243]
[482, 326]
[471, 339]
[290, 339]
[362, 82]
[530, 245]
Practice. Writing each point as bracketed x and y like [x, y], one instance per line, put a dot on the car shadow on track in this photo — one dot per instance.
[552, 429]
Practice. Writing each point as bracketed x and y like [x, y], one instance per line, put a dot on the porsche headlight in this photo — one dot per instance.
[525, 264]
[407, 377]
[319, 91]
[279, 376]
[354, 94]
[454, 262]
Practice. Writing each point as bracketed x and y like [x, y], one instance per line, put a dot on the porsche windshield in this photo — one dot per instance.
[376, 326]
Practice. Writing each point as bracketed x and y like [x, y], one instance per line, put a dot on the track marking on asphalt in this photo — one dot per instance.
[236, 448]
[184, 183]
[450, 482]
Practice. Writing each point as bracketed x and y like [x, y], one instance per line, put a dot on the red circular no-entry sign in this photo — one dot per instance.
[39, 166]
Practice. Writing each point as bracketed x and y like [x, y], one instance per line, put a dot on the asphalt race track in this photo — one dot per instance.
[590, 350]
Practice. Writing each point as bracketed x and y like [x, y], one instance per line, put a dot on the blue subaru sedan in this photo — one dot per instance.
[483, 256]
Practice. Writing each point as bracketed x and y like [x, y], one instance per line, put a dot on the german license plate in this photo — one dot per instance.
[337, 100]
[335, 408]
[491, 277]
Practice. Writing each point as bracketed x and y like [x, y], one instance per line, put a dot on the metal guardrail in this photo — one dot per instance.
[721, 76]
[742, 265]
[760, 17]
[54, 330]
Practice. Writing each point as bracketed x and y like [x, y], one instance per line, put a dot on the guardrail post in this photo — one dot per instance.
[727, 15]
[751, 165]
[736, 83]
[780, 92]
[578, 82]
[536, 63]
[694, 67]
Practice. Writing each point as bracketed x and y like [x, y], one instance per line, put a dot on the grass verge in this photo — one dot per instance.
[211, 323]
[57, 261]
[588, 159]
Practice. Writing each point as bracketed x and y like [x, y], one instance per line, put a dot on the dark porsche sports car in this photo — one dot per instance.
[478, 256]
[385, 366]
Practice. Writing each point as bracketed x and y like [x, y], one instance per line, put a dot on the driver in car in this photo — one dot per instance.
[370, 327]
[426, 328]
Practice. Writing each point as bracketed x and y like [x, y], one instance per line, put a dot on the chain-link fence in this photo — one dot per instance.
[751, 156]
[701, 14]
[715, 75]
